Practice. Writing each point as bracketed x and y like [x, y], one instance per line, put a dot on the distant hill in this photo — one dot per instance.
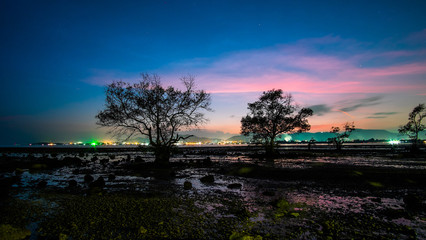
[239, 138]
[365, 134]
[207, 134]
[358, 134]
[196, 139]
[318, 136]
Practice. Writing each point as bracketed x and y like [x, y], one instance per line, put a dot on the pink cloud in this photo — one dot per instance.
[417, 37]
[406, 69]
[403, 53]
[293, 70]
[298, 70]
[297, 67]
[319, 63]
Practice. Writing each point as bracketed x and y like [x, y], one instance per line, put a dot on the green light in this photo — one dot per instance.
[94, 143]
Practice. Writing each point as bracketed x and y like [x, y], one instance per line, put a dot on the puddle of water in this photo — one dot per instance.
[350, 160]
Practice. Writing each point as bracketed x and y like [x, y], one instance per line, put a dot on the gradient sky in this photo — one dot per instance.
[363, 61]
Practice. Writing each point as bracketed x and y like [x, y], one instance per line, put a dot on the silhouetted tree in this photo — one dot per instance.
[311, 142]
[414, 125]
[274, 114]
[148, 109]
[340, 136]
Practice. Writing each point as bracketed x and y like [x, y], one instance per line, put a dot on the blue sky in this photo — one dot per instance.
[361, 61]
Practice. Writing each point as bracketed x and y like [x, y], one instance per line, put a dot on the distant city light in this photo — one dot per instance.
[394, 142]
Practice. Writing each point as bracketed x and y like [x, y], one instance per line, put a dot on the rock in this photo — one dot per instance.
[207, 161]
[82, 171]
[268, 193]
[72, 183]
[412, 202]
[139, 159]
[88, 178]
[104, 161]
[6, 185]
[72, 161]
[235, 186]
[111, 177]
[207, 179]
[18, 171]
[99, 183]
[187, 185]
[42, 184]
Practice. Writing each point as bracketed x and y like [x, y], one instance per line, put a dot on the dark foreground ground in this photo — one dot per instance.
[212, 193]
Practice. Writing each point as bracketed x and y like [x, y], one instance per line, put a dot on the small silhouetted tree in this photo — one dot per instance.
[311, 142]
[148, 109]
[414, 125]
[341, 135]
[274, 114]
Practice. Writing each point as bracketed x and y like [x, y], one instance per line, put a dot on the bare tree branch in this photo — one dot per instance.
[151, 110]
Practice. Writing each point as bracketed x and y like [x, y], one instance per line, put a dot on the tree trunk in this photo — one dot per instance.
[270, 149]
[339, 146]
[338, 143]
[162, 156]
[415, 147]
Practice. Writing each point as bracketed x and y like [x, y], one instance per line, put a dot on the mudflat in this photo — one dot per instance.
[229, 192]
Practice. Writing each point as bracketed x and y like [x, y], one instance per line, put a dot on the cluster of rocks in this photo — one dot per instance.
[89, 182]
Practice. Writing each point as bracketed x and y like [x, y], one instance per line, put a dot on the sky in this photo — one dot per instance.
[356, 61]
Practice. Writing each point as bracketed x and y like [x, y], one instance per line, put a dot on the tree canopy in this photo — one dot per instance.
[414, 125]
[274, 114]
[148, 109]
[340, 136]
